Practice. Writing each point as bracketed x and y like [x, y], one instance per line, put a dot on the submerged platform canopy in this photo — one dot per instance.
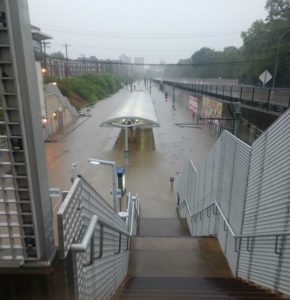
[135, 111]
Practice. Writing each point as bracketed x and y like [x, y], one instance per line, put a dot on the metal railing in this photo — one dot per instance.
[241, 195]
[229, 227]
[97, 238]
[270, 99]
[89, 238]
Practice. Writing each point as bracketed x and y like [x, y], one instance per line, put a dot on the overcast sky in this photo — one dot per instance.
[158, 30]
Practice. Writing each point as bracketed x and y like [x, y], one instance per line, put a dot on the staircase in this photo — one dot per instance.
[172, 288]
[167, 263]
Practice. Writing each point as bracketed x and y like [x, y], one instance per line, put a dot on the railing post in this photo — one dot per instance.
[253, 94]
[101, 241]
[120, 241]
[237, 242]
[268, 100]
[241, 92]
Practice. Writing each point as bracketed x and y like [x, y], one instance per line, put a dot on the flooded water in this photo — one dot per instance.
[155, 154]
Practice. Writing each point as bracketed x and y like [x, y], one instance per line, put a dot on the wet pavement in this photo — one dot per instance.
[164, 227]
[177, 257]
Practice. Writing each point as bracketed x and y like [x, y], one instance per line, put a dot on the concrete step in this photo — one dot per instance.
[163, 227]
[141, 288]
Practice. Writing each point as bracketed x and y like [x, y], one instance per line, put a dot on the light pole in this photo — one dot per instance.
[113, 165]
[277, 56]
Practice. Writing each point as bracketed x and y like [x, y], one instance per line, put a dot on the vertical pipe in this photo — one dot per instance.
[126, 143]
[115, 199]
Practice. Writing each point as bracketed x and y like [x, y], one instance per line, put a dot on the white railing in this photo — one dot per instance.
[242, 196]
[98, 240]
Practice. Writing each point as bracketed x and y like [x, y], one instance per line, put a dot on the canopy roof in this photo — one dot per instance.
[135, 111]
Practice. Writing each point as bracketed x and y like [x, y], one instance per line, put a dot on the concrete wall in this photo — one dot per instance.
[59, 112]
[253, 122]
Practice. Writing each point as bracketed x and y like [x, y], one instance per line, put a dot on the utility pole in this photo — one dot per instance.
[84, 62]
[66, 69]
[45, 45]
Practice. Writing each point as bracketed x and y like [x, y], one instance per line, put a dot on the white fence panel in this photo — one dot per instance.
[100, 279]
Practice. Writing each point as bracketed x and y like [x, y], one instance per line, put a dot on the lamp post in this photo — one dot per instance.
[94, 161]
[277, 56]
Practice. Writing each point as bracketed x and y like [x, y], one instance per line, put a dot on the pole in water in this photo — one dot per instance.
[171, 182]
[126, 152]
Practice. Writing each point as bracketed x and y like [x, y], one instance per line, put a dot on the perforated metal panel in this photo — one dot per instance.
[267, 209]
[101, 279]
[252, 187]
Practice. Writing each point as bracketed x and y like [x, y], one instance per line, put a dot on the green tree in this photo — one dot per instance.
[278, 10]
[57, 54]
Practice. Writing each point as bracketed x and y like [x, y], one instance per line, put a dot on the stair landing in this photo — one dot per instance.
[177, 257]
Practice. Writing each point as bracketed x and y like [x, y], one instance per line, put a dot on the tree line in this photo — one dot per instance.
[265, 43]
[89, 87]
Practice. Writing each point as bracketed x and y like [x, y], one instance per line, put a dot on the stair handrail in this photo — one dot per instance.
[135, 211]
[187, 206]
[89, 237]
[228, 225]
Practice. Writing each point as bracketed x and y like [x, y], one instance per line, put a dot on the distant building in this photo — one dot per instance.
[139, 60]
[139, 68]
[125, 59]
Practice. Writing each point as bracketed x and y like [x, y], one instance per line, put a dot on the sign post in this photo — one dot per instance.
[265, 77]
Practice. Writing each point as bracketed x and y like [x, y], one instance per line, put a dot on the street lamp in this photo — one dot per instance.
[94, 161]
[277, 55]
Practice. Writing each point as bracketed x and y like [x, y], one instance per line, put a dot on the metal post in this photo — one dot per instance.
[237, 115]
[114, 177]
[126, 143]
[115, 199]
[173, 96]
[268, 100]
[277, 56]
[241, 92]
[253, 95]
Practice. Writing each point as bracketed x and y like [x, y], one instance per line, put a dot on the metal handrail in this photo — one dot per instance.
[282, 233]
[135, 210]
[89, 238]
[237, 237]
[187, 206]
[83, 245]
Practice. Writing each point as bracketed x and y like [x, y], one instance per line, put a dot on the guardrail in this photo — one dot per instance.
[269, 99]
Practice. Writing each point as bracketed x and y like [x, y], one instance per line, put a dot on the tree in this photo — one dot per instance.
[278, 10]
[57, 54]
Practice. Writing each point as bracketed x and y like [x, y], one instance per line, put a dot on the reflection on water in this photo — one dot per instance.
[138, 139]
